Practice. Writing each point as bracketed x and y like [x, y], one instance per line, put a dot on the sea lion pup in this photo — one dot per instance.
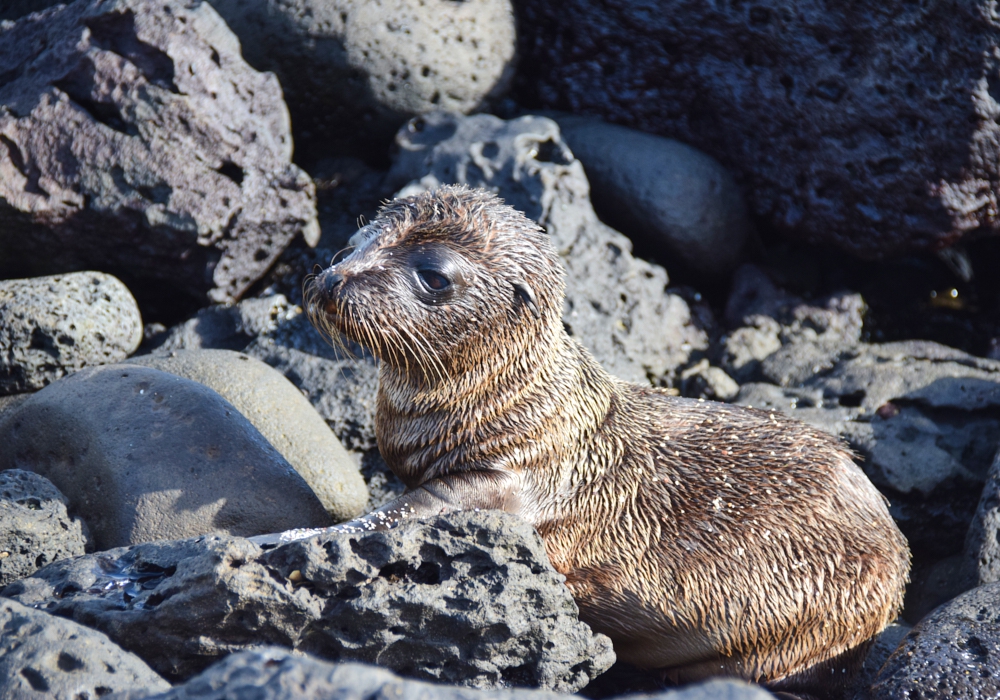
[704, 539]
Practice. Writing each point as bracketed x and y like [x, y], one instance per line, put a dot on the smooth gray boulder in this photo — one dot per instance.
[44, 656]
[662, 193]
[53, 326]
[952, 653]
[870, 127]
[145, 455]
[467, 599]
[35, 528]
[616, 304]
[137, 139]
[369, 66]
[282, 415]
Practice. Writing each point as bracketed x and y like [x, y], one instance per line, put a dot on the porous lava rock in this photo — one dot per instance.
[616, 304]
[135, 139]
[44, 656]
[354, 70]
[952, 653]
[467, 599]
[273, 673]
[871, 127]
[53, 326]
[35, 528]
[145, 455]
[282, 415]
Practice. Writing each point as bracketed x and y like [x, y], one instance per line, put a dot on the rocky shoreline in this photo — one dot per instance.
[163, 398]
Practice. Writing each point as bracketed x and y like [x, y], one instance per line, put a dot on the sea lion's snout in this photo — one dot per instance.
[329, 282]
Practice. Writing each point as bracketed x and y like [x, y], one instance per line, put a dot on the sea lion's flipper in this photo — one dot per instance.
[453, 492]
[524, 292]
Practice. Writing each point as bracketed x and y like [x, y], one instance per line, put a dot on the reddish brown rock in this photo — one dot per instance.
[134, 139]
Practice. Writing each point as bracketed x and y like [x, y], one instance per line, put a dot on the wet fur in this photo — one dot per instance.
[704, 539]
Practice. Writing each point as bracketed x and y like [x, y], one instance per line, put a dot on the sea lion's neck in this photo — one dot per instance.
[523, 413]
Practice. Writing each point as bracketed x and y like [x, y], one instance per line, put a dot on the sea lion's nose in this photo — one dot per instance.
[329, 281]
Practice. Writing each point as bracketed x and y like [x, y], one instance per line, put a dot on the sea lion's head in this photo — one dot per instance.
[435, 274]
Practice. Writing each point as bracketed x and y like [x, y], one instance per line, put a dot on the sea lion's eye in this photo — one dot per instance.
[433, 281]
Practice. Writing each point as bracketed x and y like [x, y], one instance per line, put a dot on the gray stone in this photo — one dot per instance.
[35, 528]
[53, 326]
[982, 544]
[145, 455]
[43, 656]
[372, 65]
[782, 339]
[277, 674]
[671, 197]
[953, 653]
[223, 327]
[701, 380]
[282, 415]
[9, 403]
[871, 127]
[137, 139]
[468, 599]
[616, 305]
[717, 689]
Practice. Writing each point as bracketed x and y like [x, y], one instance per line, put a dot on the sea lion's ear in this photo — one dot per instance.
[523, 291]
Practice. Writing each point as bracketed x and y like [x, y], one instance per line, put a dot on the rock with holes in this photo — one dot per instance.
[663, 194]
[872, 128]
[468, 599]
[44, 656]
[372, 65]
[145, 455]
[35, 528]
[616, 304]
[953, 652]
[282, 415]
[134, 137]
[53, 326]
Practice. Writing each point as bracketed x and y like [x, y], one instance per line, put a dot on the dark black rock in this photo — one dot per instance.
[868, 126]
[469, 599]
[952, 653]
